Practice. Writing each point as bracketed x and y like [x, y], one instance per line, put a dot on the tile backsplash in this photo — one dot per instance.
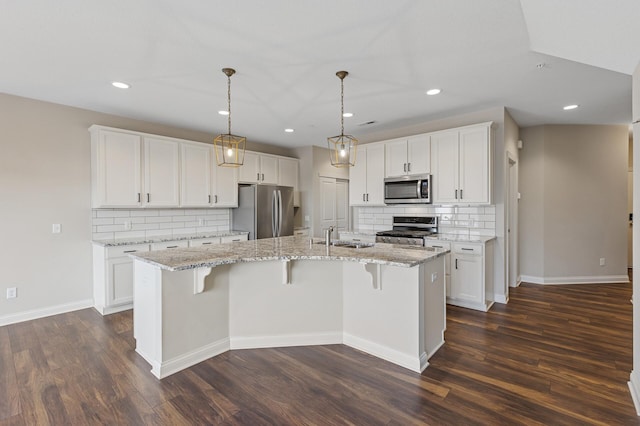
[458, 220]
[142, 223]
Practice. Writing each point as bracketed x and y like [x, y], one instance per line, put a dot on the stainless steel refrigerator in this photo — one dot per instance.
[265, 211]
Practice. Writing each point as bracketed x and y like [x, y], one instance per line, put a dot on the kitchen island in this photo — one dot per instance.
[195, 303]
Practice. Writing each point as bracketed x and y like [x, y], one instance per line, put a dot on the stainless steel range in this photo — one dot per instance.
[409, 230]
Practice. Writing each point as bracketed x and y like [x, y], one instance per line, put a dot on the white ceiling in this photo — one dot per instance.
[482, 54]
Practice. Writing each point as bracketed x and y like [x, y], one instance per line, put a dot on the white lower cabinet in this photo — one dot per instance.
[471, 275]
[113, 277]
[234, 238]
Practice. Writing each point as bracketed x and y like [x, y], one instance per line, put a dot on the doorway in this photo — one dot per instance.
[334, 204]
[512, 222]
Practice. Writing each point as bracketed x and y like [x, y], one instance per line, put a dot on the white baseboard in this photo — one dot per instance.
[500, 298]
[279, 341]
[594, 279]
[45, 312]
[634, 389]
[113, 309]
[167, 368]
[413, 363]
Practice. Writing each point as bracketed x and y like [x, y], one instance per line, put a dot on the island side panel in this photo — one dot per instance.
[264, 312]
[435, 311]
[195, 326]
[384, 321]
[147, 312]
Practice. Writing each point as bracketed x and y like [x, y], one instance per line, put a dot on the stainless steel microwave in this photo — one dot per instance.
[414, 189]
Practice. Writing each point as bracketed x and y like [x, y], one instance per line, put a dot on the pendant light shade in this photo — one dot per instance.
[229, 148]
[343, 147]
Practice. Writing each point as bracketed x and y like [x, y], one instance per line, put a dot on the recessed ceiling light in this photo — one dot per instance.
[120, 85]
[347, 114]
[223, 112]
[432, 92]
[288, 130]
[568, 107]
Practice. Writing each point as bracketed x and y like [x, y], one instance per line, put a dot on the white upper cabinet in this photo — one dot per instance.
[225, 186]
[195, 175]
[366, 178]
[288, 176]
[259, 168]
[461, 162]
[116, 172]
[202, 182]
[161, 172]
[408, 156]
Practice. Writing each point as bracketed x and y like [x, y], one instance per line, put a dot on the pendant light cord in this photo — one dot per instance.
[229, 101]
[341, 106]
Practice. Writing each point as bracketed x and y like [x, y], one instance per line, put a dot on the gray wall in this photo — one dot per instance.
[573, 211]
[45, 179]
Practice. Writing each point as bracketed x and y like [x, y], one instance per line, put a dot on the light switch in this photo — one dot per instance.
[55, 228]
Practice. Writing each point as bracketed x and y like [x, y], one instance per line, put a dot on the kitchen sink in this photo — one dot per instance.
[348, 244]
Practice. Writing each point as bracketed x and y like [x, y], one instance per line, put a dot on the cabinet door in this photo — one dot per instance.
[119, 281]
[269, 169]
[474, 166]
[396, 158]
[375, 175]
[358, 179]
[117, 172]
[418, 155]
[250, 170]
[288, 176]
[161, 173]
[444, 162]
[195, 175]
[225, 184]
[466, 278]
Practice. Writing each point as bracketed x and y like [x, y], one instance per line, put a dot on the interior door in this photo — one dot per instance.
[327, 203]
[342, 205]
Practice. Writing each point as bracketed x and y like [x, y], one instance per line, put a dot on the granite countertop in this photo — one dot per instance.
[162, 238]
[285, 248]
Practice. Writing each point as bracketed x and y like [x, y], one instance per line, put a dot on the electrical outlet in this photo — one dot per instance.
[200, 222]
[56, 228]
[12, 293]
[306, 218]
[434, 277]
[602, 261]
[127, 225]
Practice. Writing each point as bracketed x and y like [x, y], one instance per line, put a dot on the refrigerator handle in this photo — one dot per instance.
[279, 212]
[273, 215]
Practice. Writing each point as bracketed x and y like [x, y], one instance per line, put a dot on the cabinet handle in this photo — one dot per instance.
[206, 244]
[405, 167]
[215, 199]
[233, 241]
[456, 194]
[130, 251]
[436, 246]
[408, 167]
[139, 197]
[467, 249]
[461, 194]
[456, 263]
[148, 197]
[363, 197]
[172, 247]
[258, 177]
[263, 177]
[356, 239]
[367, 197]
[209, 199]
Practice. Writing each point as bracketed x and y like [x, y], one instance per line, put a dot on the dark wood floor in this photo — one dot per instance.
[553, 355]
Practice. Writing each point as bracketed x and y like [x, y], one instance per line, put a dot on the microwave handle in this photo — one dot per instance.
[418, 186]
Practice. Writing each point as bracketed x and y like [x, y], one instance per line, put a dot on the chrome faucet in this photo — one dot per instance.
[327, 236]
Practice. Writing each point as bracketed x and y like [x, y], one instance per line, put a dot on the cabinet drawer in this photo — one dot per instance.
[122, 251]
[200, 242]
[233, 238]
[438, 244]
[464, 248]
[170, 245]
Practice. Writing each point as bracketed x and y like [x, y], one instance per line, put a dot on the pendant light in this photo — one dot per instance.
[229, 148]
[342, 148]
